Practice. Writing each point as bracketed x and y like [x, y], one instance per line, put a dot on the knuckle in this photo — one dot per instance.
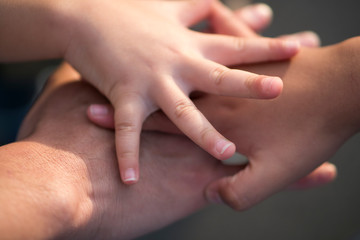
[233, 198]
[125, 127]
[127, 155]
[253, 84]
[275, 45]
[205, 133]
[239, 44]
[218, 75]
[184, 108]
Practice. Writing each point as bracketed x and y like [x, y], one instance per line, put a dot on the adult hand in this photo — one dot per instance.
[62, 174]
[249, 20]
[290, 136]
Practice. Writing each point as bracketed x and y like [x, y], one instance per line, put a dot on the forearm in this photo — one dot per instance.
[32, 204]
[77, 165]
[34, 30]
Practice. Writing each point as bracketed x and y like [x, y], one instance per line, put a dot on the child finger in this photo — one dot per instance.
[229, 50]
[185, 12]
[306, 38]
[128, 116]
[217, 79]
[224, 21]
[184, 114]
[255, 16]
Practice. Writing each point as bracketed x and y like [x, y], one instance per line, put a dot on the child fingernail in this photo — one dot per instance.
[130, 176]
[272, 86]
[258, 13]
[98, 110]
[292, 46]
[222, 146]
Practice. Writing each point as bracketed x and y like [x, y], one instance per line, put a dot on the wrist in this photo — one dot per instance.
[36, 203]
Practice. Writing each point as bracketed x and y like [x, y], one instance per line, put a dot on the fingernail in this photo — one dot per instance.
[262, 11]
[130, 176]
[222, 145]
[310, 39]
[98, 110]
[271, 87]
[258, 14]
[267, 84]
[214, 197]
[291, 46]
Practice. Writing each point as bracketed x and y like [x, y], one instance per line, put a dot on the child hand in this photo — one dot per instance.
[142, 56]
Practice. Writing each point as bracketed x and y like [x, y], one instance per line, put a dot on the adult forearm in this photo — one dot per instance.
[32, 205]
[33, 30]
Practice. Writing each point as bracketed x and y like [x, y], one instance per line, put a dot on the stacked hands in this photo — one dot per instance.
[157, 62]
[143, 57]
[184, 61]
[149, 60]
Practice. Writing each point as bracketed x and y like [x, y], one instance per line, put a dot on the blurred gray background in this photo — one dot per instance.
[330, 212]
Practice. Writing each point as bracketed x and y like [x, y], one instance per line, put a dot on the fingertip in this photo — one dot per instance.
[97, 110]
[309, 39]
[291, 46]
[224, 149]
[328, 173]
[306, 39]
[101, 115]
[130, 176]
[258, 16]
[271, 87]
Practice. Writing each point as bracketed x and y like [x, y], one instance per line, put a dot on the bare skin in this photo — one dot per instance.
[59, 183]
[290, 136]
[109, 43]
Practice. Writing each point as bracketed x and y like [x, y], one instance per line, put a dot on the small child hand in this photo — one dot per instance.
[142, 57]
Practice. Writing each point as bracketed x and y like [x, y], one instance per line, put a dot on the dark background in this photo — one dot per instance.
[331, 212]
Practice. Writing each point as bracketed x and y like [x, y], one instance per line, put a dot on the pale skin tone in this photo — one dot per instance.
[288, 137]
[57, 183]
[108, 41]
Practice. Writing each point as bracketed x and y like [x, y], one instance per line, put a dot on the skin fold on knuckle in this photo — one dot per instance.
[127, 155]
[276, 48]
[184, 109]
[253, 85]
[218, 75]
[206, 134]
[126, 127]
[239, 44]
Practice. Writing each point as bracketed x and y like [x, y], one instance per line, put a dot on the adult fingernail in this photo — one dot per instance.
[214, 197]
[98, 110]
[222, 145]
[130, 176]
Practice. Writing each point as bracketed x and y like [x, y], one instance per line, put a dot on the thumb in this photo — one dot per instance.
[257, 181]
